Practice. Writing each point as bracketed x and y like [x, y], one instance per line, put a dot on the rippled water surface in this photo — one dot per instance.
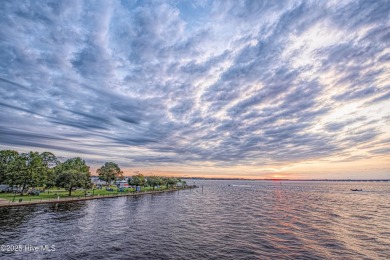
[228, 220]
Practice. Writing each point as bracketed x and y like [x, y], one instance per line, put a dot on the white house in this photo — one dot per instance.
[95, 180]
[122, 184]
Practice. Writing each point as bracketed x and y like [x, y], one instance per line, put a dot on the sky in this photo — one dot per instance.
[250, 89]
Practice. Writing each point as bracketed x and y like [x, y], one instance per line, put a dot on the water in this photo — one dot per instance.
[246, 220]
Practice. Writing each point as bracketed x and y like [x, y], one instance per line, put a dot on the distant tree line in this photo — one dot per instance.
[139, 180]
[110, 172]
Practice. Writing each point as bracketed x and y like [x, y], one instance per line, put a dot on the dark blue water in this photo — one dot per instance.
[247, 220]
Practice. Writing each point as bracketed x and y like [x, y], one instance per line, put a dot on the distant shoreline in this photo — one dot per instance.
[276, 179]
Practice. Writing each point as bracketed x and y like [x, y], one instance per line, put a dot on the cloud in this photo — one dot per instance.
[385, 150]
[222, 83]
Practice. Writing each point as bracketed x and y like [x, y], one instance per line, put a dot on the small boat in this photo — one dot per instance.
[356, 190]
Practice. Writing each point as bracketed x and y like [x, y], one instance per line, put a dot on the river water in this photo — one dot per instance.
[228, 220]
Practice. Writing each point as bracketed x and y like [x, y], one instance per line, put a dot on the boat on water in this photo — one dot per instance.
[356, 189]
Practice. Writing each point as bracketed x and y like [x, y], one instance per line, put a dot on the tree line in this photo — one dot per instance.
[153, 181]
[110, 172]
[34, 169]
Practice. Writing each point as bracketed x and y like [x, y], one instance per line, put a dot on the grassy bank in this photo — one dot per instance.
[63, 194]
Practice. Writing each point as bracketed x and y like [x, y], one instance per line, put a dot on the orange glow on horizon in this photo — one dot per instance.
[316, 169]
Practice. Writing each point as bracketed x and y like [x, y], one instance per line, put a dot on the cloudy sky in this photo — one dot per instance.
[258, 89]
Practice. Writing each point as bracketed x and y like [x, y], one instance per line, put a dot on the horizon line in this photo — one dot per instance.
[268, 179]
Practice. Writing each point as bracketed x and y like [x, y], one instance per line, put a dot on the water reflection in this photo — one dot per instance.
[12, 220]
[241, 221]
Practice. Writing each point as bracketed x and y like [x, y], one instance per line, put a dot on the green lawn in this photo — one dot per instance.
[54, 193]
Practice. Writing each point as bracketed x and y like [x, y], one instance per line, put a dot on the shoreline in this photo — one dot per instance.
[75, 199]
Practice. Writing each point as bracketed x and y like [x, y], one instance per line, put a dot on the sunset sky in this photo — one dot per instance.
[253, 89]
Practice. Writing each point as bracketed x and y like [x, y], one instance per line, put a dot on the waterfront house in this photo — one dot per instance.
[95, 180]
[122, 183]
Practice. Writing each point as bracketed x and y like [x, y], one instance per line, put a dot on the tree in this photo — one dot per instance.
[51, 177]
[152, 181]
[50, 161]
[73, 173]
[109, 172]
[7, 158]
[160, 181]
[170, 181]
[70, 179]
[137, 180]
[30, 170]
